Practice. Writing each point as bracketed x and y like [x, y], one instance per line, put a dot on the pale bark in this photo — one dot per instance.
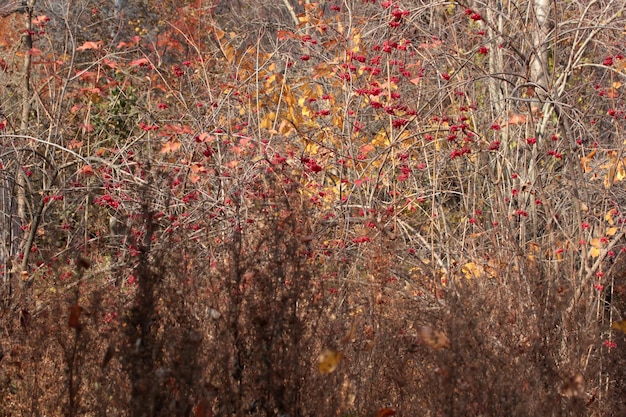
[539, 57]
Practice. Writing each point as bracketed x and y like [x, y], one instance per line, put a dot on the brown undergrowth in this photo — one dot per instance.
[233, 322]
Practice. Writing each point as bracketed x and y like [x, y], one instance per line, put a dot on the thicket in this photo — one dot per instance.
[357, 208]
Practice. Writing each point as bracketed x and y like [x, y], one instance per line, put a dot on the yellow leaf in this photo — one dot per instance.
[611, 231]
[596, 242]
[472, 270]
[311, 149]
[328, 361]
[229, 53]
[609, 217]
[356, 41]
[306, 112]
[270, 80]
[268, 121]
[381, 139]
[619, 325]
[594, 252]
[285, 128]
[585, 160]
[290, 100]
[322, 70]
[337, 120]
[620, 173]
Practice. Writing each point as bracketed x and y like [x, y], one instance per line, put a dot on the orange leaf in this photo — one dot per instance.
[86, 170]
[367, 148]
[75, 311]
[40, 20]
[90, 45]
[205, 137]
[195, 168]
[285, 34]
[170, 146]
[517, 118]
[385, 412]
[133, 42]
[74, 144]
[141, 62]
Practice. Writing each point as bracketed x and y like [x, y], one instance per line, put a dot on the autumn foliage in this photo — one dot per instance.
[297, 208]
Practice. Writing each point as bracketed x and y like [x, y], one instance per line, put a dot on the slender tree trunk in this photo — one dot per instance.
[20, 177]
[539, 57]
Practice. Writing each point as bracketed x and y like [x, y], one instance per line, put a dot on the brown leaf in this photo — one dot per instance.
[619, 325]
[434, 338]
[25, 318]
[82, 262]
[75, 311]
[203, 409]
[385, 412]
